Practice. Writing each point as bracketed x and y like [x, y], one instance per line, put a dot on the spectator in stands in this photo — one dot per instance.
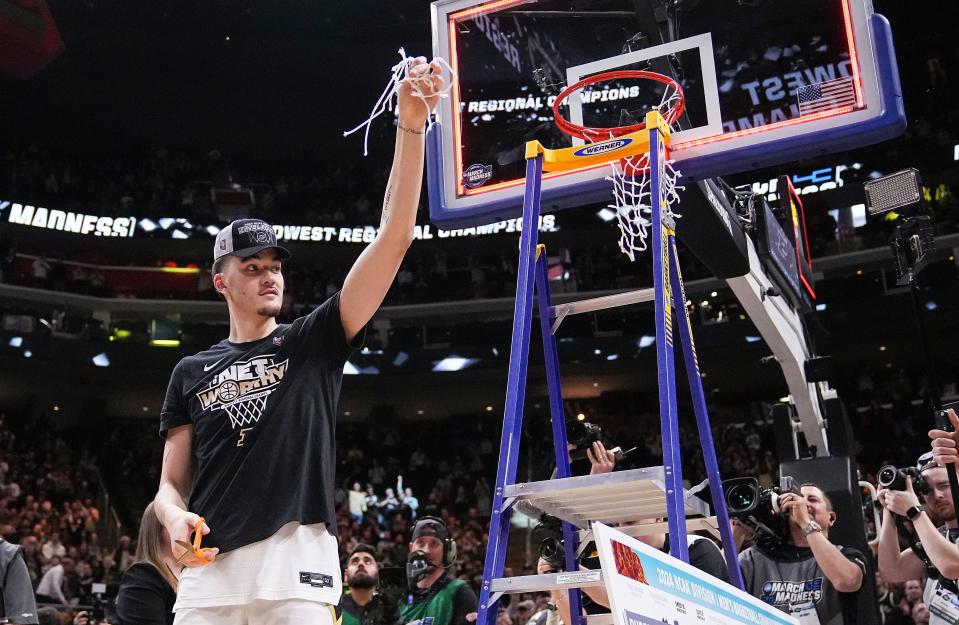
[372, 501]
[435, 593]
[388, 505]
[30, 549]
[124, 555]
[411, 502]
[364, 604]
[357, 502]
[50, 588]
[40, 272]
[524, 610]
[806, 556]
[902, 613]
[54, 547]
[886, 596]
[17, 603]
[148, 588]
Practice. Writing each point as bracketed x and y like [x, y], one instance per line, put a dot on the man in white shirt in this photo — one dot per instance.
[50, 588]
[357, 499]
[53, 547]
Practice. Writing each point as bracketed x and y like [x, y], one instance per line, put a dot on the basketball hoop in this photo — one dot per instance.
[630, 176]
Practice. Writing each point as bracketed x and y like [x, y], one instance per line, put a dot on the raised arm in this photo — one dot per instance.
[943, 554]
[895, 566]
[175, 486]
[373, 272]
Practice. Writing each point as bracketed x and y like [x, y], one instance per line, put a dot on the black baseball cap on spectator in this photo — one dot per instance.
[245, 238]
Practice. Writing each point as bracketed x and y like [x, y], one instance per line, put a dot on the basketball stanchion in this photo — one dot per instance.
[645, 191]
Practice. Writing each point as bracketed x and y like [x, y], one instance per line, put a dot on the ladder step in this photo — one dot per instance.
[610, 497]
[603, 302]
[551, 581]
[694, 524]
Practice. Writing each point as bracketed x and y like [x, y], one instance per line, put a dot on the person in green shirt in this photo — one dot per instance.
[436, 597]
[364, 604]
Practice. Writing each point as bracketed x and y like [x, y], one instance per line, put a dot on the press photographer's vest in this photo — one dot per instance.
[438, 609]
[940, 595]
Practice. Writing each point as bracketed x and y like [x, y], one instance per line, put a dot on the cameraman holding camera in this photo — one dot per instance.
[436, 597]
[805, 574]
[938, 556]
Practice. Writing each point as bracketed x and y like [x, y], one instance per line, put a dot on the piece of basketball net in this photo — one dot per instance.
[422, 87]
[632, 202]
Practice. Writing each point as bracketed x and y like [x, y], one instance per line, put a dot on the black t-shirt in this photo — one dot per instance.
[705, 556]
[145, 598]
[263, 418]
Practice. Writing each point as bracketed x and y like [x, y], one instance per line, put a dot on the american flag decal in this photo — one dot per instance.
[825, 96]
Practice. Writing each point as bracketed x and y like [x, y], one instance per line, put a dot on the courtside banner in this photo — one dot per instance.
[648, 587]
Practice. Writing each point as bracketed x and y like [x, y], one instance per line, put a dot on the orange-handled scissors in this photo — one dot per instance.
[195, 548]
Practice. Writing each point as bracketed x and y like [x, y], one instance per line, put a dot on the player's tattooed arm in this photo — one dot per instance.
[385, 217]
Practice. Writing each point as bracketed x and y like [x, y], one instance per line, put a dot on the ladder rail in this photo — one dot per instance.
[695, 380]
[515, 393]
[669, 423]
[557, 415]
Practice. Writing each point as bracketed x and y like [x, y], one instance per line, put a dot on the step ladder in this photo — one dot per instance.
[614, 497]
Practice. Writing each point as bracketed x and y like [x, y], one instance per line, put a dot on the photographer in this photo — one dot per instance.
[435, 594]
[364, 604]
[805, 574]
[935, 526]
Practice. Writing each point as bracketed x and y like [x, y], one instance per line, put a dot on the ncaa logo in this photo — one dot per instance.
[602, 148]
[476, 175]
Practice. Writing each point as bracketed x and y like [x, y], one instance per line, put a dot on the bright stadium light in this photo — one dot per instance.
[454, 363]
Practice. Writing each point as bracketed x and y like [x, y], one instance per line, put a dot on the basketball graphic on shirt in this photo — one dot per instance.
[228, 391]
[242, 389]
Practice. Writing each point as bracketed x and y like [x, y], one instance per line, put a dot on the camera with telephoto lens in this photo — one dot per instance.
[759, 508]
[894, 478]
[551, 547]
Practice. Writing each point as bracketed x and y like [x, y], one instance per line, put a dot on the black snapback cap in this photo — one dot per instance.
[246, 237]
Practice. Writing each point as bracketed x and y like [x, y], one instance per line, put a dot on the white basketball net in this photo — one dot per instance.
[632, 202]
[245, 412]
[422, 88]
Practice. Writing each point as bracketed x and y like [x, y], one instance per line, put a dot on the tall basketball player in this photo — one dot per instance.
[249, 423]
